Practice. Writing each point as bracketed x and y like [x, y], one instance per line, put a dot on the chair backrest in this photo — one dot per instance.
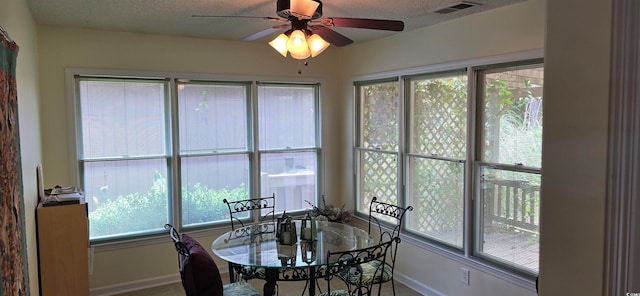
[388, 212]
[199, 273]
[264, 207]
[395, 216]
[347, 265]
[175, 237]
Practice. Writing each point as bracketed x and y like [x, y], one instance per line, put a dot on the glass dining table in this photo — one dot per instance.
[256, 253]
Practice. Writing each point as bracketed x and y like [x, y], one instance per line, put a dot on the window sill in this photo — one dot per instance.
[136, 242]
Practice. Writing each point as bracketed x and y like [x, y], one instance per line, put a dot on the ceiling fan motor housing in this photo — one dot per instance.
[283, 9]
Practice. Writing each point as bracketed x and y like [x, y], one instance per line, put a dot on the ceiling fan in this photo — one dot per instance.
[308, 32]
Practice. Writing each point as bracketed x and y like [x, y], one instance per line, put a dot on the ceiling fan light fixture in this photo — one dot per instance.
[285, 9]
[304, 9]
[297, 45]
[317, 45]
[280, 44]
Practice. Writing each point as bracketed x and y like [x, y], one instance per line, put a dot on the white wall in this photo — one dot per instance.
[62, 47]
[505, 30]
[512, 29]
[576, 96]
[16, 19]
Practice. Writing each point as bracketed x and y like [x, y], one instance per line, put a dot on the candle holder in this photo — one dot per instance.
[287, 255]
[308, 250]
[279, 221]
[287, 230]
[308, 230]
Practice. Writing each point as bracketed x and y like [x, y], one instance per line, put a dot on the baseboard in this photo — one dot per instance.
[175, 278]
[146, 283]
[416, 286]
[135, 285]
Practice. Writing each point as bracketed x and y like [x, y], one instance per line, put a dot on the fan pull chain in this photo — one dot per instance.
[306, 63]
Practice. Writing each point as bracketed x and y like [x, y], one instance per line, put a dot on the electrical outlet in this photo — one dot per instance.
[464, 275]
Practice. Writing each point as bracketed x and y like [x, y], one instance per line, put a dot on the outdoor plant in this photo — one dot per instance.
[148, 210]
[203, 204]
[131, 213]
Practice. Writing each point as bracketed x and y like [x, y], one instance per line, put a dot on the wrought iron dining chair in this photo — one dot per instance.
[241, 211]
[386, 219]
[348, 267]
[199, 273]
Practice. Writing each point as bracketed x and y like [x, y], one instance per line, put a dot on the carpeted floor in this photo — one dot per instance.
[285, 289]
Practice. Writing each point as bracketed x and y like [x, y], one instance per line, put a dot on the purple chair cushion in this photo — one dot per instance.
[200, 274]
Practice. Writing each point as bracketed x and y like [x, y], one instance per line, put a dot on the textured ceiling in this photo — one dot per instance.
[174, 17]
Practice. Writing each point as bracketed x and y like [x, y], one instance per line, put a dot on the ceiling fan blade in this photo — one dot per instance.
[331, 36]
[268, 18]
[375, 24]
[264, 32]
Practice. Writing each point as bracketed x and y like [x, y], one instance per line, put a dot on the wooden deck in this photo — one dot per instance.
[512, 223]
[515, 246]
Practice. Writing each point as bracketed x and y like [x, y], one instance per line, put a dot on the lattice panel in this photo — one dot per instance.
[440, 117]
[380, 178]
[438, 189]
[381, 108]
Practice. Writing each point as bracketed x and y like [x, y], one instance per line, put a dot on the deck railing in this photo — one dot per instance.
[292, 190]
[512, 203]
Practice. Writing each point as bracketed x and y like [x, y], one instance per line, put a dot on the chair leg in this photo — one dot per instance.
[393, 286]
[232, 278]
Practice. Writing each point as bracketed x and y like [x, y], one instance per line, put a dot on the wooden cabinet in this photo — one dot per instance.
[63, 241]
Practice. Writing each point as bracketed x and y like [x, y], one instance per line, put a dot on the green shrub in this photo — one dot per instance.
[139, 212]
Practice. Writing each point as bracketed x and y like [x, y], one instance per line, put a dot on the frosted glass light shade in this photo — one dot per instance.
[280, 44]
[304, 8]
[317, 45]
[297, 45]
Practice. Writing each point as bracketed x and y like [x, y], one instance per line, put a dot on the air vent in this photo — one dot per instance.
[456, 7]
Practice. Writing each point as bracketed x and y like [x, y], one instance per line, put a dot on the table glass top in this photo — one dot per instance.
[256, 245]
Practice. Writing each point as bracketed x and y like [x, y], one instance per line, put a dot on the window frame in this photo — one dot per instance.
[172, 142]
[409, 154]
[359, 148]
[478, 72]
[316, 149]
[80, 160]
[466, 254]
[180, 155]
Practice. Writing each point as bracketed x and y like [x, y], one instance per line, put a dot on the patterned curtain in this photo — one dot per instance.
[13, 263]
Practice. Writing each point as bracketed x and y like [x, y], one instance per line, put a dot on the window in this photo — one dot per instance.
[437, 150]
[123, 154]
[148, 155]
[214, 148]
[509, 168]
[377, 148]
[468, 159]
[289, 144]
